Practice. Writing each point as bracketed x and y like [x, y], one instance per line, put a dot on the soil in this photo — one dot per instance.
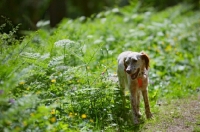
[182, 115]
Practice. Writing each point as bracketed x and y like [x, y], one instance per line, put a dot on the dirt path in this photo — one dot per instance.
[181, 115]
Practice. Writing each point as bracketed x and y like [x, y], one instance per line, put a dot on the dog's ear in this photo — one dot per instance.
[146, 59]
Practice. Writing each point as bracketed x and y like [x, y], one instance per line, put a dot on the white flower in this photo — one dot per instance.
[64, 42]
[115, 10]
[89, 36]
[110, 39]
[98, 41]
[103, 20]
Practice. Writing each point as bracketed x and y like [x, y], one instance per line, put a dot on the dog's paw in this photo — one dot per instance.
[136, 122]
[149, 116]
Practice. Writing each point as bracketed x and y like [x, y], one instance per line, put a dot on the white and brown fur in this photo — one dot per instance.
[131, 66]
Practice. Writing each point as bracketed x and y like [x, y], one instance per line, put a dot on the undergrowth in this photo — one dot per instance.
[62, 79]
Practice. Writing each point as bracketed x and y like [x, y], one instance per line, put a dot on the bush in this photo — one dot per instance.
[62, 80]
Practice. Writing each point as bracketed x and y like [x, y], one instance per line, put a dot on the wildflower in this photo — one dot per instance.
[83, 116]
[89, 36]
[91, 120]
[71, 114]
[1, 92]
[12, 101]
[53, 112]
[111, 39]
[17, 128]
[21, 83]
[126, 92]
[168, 48]
[25, 123]
[8, 122]
[53, 119]
[114, 124]
[64, 42]
[53, 80]
[152, 82]
[98, 41]
[32, 114]
[115, 10]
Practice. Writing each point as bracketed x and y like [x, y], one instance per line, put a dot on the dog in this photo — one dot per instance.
[132, 73]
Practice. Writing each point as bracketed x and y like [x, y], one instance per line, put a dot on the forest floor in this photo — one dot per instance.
[181, 115]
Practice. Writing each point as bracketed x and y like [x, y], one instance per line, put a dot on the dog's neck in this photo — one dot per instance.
[143, 72]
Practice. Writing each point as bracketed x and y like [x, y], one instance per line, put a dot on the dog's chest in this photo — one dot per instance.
[139, 82]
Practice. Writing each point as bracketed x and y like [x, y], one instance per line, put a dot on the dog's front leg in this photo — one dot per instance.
[134, 103]
[138, 104]
[146, 102]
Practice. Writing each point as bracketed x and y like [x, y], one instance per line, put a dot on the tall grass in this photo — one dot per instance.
[62, 79]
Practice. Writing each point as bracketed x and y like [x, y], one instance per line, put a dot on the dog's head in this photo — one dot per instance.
[134, 62]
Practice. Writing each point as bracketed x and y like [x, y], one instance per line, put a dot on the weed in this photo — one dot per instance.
[60, 80]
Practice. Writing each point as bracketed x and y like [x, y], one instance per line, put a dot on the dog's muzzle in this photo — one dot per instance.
[135, 75]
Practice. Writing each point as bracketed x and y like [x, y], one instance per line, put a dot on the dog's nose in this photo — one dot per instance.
[128, 71]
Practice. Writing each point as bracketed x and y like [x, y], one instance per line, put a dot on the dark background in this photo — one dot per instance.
[28, 12]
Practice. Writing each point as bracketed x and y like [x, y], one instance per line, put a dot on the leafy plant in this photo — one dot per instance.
[65, 79]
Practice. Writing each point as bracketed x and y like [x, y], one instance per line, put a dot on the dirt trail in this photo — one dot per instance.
[181, 115]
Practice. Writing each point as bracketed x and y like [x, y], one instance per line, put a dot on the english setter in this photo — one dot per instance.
[133, 73]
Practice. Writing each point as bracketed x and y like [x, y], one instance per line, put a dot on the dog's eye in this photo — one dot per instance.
[126, 62]
[134, 60]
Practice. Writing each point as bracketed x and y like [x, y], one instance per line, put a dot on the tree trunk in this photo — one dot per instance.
[57, 11]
